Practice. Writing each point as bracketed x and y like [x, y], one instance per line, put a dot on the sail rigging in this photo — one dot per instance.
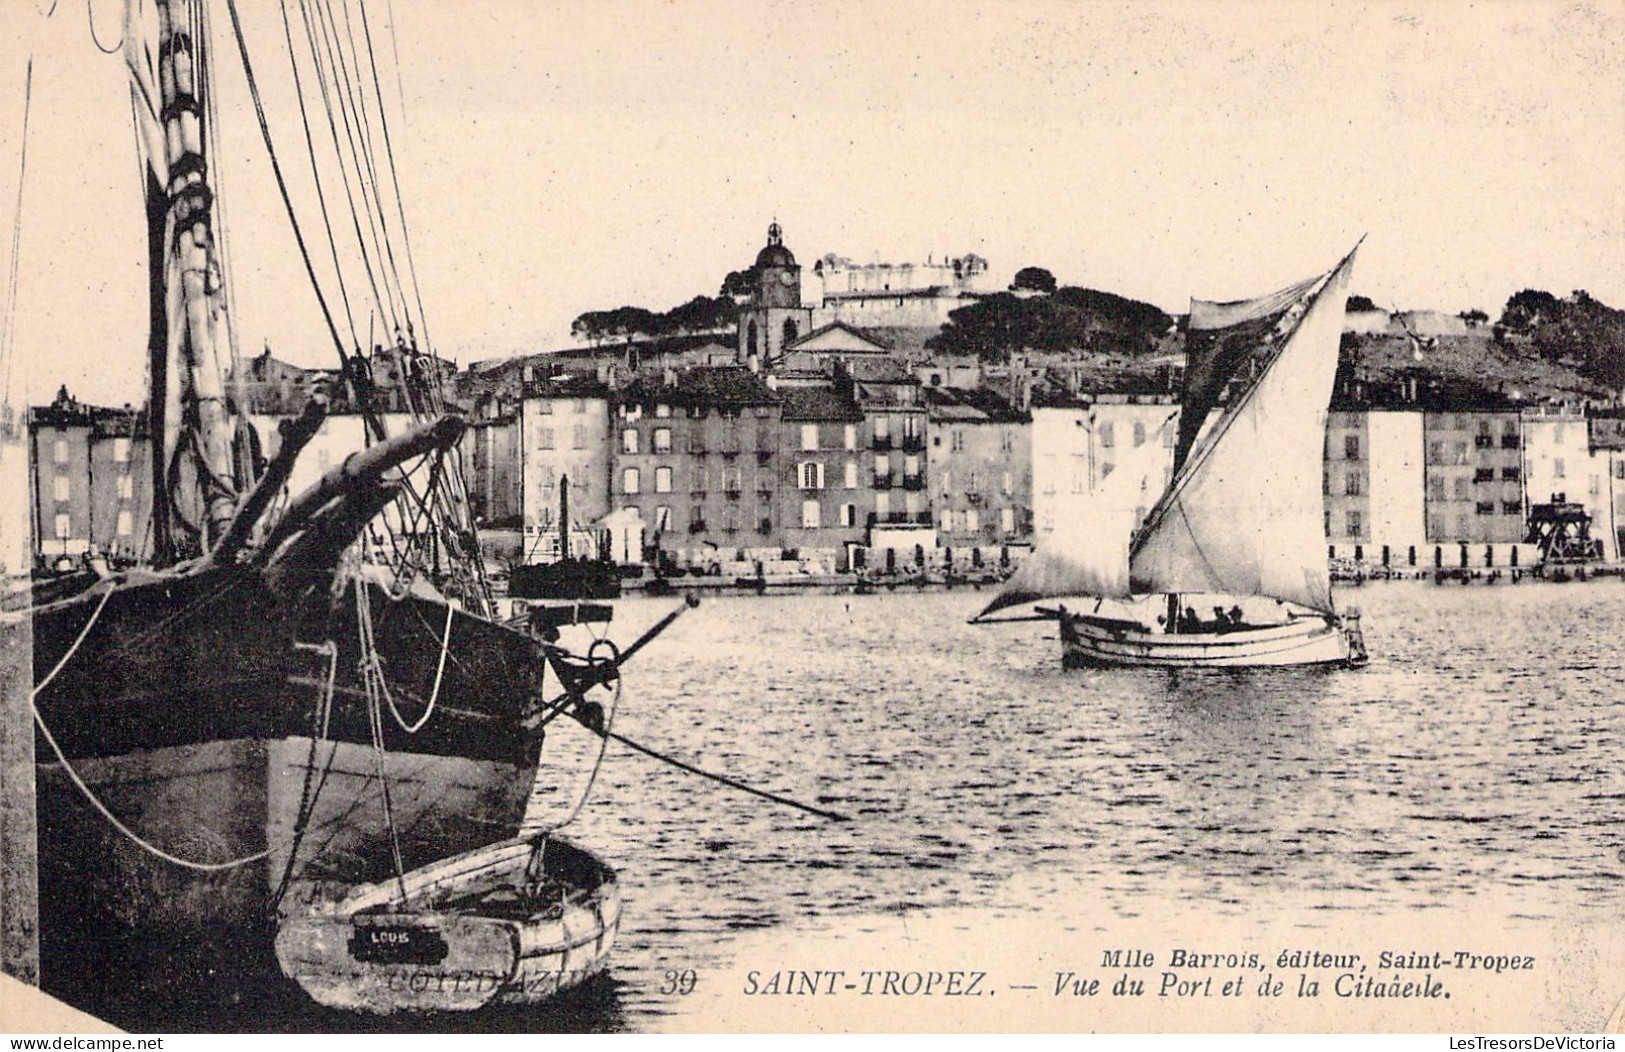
[1091, 555]
[1243, 512]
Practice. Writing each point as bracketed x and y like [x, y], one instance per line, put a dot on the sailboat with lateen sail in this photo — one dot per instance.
[1229, 568]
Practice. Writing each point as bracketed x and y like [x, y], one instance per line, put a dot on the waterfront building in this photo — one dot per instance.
[1475, 504]
[696, 456]
[563, 440]
[979, 470]
[828, 496]
[495, 481]
[1561, 463]
[92, 480]
[1078, 444]
[1608, 448]
[1374, 486]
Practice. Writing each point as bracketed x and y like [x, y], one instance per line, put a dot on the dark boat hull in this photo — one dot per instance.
[196, 711]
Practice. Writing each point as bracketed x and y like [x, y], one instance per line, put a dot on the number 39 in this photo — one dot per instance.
[679, 982]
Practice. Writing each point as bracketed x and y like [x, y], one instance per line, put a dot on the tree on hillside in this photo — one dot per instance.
[738, 284]
[1474, 316]
[1107, 310]
[1528, 309]
[1580, 331]
[1034, 279]
[1360, 303]
[1073, 319]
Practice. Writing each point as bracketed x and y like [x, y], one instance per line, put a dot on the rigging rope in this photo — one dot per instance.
[315, 172]
[338, 153]
[603, 738]
[389, 153]
[282, 184]
[6, 327]
[90, 16]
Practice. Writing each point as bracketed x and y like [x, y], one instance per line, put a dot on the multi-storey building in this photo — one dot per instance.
[1105, 460]
[563, 441]
[92, 480]
[828, 495]
[495, 478]
[1475, 504]
[979, 469]
[1374, 487]
[696, 455]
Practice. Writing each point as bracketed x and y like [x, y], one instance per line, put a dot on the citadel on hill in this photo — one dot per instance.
[889, 417]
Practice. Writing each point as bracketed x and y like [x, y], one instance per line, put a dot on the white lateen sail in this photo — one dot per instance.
[1244, 513]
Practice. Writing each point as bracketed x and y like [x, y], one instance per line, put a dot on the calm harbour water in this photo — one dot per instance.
[1477, 754]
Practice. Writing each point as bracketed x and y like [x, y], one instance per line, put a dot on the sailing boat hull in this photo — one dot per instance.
[1091, 642]
[125, 930]
[185, 707]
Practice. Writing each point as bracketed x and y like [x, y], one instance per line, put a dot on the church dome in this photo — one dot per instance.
[774, 254]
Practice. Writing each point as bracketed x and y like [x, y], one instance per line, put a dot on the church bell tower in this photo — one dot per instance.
[774, 316]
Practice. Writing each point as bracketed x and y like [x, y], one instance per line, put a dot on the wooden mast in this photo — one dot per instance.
[191, 422]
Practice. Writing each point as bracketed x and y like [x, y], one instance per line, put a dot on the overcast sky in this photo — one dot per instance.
[557, 158]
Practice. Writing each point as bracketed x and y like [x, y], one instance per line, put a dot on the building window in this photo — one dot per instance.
[882, 427]
[972, 523]
[1460, 491]
[789, 331]
[544, 438]
[126, 487]
[1435, 487]
[543, 406]
[662, 439]
[663, 518]
[809, 515]
[850, 436]
[1351, 447]
[1351, 485]
[1511, 473]
[1511, 507]
[947, 520]
[882, 504]
[629, 480]
[1106, 469]
[121, 451]
[578, 437]
[629, 441]
[61, 451]
[1485, 507]
[882, 465]
[662, 412]
[957, 443]
[1139, 433]
[811, 474]
[809, 437]
[851, 476]
[662, 480]
[126, 525]
[1007, 520]
[849, 515]
[64, 526]
[1051, 471]
[1557, 468]
[696, 479]
[60, 487]
[1354, 523]
[1108, 437]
